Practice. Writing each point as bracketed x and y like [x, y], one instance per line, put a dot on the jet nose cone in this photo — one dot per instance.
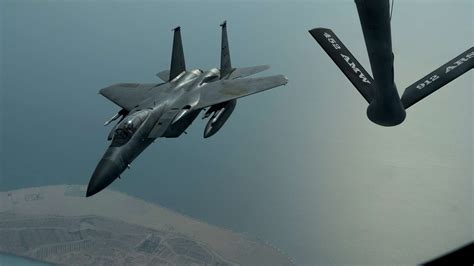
[104, 174]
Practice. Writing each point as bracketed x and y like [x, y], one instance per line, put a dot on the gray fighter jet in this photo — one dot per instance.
[151, 111]
[386, 108]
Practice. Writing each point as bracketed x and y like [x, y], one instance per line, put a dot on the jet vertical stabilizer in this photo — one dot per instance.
[226, 64]
[385, 109]
[177, 57]
[227, 71]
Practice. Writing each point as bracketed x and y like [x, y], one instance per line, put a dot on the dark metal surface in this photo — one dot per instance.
[177, 56]
[346, 62]
[438, 78]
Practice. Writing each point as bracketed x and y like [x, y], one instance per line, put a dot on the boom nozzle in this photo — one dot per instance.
[386, 112]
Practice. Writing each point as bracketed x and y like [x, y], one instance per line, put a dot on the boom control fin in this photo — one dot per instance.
[346, 62]
[438, 78]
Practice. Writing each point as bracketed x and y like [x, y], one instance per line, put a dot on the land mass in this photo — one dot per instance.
[59, 225]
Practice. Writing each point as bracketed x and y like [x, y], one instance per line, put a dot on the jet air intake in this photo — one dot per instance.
[220, 114]
[385, 108]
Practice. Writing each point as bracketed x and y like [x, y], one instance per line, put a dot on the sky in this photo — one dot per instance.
[300, 165]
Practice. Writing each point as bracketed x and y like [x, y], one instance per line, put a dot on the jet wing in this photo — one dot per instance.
[226, 90]
[129, 95]
[164, 75]
[247, 71]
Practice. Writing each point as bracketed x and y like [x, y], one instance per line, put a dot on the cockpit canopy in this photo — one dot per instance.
[128, 127]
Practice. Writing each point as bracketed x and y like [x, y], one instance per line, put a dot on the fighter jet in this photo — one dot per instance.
[165, 110]
[386, 108]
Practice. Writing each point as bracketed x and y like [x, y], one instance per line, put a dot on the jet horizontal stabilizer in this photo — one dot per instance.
[438, 78]
[164, 75]
[346, 62]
